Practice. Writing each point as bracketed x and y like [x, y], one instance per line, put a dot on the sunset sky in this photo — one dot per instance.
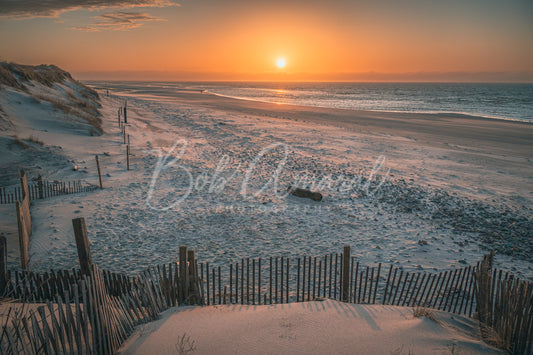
[243, 40]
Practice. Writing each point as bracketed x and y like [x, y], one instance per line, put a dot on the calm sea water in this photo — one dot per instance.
[503, 101]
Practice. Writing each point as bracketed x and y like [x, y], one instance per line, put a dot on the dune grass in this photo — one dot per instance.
[84, 102]
[424, 312]
[15, 75]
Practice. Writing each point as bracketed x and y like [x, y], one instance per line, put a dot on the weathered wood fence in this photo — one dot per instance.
[91, 313]
[24, 221]
[503, 302]
[505, 308]
[284, 280]
[81, 317]
[42, 189]
[122, 120]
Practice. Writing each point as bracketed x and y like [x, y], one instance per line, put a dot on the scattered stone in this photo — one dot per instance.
[422, 242]
[75, 168]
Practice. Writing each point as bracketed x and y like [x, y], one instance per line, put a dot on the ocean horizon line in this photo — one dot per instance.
[363, 77]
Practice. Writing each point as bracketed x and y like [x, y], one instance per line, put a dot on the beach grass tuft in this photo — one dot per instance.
[185, 345]
[424, 312]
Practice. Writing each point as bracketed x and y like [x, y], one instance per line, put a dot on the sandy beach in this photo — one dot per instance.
[495, 153]
[419, 191]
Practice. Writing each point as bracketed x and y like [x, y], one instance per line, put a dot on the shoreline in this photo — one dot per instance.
[506, 137]
[197, 87]
[436, 113]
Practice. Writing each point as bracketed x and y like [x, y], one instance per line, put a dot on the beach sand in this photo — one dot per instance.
[499, 152]
[449, 189]
[327, 327]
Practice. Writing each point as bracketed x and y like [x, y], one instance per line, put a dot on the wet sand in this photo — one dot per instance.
[478, 134]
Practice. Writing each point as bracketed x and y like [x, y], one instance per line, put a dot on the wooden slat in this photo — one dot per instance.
[281, 280]
[371, 285]
[287, 281]
[298, 282]
[377, 283]
[259, 281]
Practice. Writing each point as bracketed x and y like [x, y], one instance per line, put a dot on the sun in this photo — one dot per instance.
[281, 63]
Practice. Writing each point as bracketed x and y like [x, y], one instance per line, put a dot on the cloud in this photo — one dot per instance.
[53, 8]
[118, 21]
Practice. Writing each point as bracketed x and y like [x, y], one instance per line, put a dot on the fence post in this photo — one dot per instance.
[125, 113]
[24, 238]
[3, 263]
[82, 242]
[483, 288]
[192, 276]
[24, 184]
[128, 156]
[99, 172]
[25, 202]
[183, 273]
[40, 187]
[346, 274]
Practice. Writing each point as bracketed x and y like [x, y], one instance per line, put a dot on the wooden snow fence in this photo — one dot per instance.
[76, 313]
[87, 310]
[81, 317]
[22, 195]
[96, 312]
[336, 276]
[41, 189]
[505, 308]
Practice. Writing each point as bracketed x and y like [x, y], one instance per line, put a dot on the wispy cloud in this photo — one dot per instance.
[118, 21]
[53, 8]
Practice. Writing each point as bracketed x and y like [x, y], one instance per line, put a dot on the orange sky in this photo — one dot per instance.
[243, 39]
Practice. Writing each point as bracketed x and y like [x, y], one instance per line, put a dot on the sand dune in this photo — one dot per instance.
[327, 327]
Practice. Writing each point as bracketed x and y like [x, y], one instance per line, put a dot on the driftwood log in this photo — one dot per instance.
[298, 192]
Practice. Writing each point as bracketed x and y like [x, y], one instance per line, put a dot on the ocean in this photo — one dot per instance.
[499, 101]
